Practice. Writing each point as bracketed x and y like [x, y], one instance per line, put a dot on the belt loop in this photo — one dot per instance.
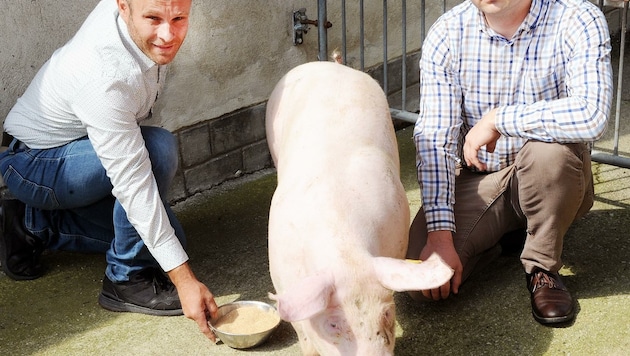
[13, 144]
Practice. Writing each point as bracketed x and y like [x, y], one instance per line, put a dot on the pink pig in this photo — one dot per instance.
[339, 218]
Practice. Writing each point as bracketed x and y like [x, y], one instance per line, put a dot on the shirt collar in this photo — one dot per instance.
[145, 62]
[535, 15]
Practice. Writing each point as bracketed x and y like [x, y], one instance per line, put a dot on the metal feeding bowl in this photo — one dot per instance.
[245, 324]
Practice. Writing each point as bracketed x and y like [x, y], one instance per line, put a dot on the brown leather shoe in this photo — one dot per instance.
[551, 301]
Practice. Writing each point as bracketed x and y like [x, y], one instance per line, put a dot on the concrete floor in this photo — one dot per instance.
[58, 314]
[226, 227]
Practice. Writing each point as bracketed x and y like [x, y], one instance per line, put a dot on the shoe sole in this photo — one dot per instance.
[555, 320]
[118, 306]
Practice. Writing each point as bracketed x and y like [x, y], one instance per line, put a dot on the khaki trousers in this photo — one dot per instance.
[548, 187]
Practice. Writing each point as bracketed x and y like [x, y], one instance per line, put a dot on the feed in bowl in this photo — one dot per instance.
[245, 324]
[247, 320]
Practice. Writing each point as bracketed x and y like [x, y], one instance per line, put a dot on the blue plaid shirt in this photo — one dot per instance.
[551, 82]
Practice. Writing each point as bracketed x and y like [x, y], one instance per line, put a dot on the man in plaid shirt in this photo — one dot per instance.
[513, 93]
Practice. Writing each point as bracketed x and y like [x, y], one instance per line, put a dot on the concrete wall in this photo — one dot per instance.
[235, 52]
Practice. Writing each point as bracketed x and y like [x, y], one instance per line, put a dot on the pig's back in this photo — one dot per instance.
[322, 114]
[333, 142]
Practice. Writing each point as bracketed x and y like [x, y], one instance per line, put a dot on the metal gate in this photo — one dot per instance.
[300, 21]
[611, 155]
[607, 152]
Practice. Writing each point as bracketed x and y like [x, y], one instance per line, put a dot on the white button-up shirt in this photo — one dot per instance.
[101, 85]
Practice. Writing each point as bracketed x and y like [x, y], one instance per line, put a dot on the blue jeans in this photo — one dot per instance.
[69, 201]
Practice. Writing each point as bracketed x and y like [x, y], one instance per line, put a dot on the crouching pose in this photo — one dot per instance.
[512, 95]
[87, 177]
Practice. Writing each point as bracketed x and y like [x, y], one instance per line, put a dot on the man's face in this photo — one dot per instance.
[157, 27]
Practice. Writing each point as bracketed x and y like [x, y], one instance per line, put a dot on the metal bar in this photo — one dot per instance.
[322, 19]
[620, 77]
[362, 34]
[343, 33]
[385, 84]
[607, 158]
[403, 101]
[423, 30]
[403, 115]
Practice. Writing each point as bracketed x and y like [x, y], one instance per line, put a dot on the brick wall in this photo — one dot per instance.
[230, 146]
[219, 150]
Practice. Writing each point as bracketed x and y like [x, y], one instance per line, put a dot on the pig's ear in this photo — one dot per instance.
[400, 275]
[305, 299]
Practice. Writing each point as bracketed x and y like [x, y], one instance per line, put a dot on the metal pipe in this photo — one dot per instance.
[403, 115]
[322, 30]
[344, 43]
[423, 8]
[403, 101]
[607, 158]
[362, 34]
[620, 78]
[385, 84]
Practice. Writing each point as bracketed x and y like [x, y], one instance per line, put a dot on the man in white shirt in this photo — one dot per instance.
[88, 177]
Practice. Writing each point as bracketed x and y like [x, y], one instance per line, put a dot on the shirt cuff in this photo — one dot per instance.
[170, 254]
[516, 120]
[504, 120]
[440, 218]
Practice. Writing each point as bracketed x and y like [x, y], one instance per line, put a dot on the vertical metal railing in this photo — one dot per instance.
[322, 31]
[401, 113]
[613, 157]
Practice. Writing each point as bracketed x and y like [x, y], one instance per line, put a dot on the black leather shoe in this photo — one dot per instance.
[147, 292]
[19, 250]
[551, 301]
